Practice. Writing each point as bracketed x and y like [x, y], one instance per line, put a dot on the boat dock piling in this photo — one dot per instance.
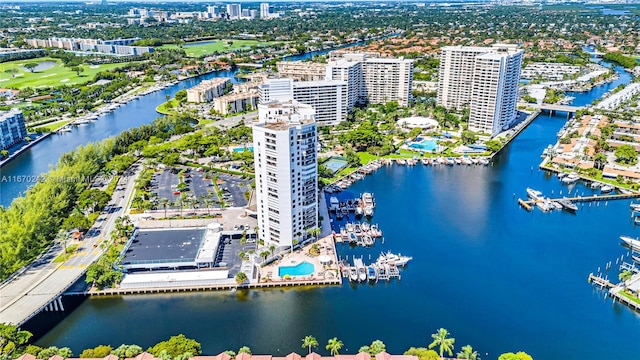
[529, 204]
[602, 282]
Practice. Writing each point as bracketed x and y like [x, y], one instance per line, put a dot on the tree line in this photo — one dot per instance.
[29, 225]
[179, 347]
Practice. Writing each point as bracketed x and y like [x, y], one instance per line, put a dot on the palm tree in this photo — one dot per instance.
[309, 342]
[164, 202]
[441, 339]
[625, 275]
[334, 345]
[314, 232]
[272, 248]
[468, 353]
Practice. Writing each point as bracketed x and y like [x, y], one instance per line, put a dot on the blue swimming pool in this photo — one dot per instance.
[302, 269]
[424, 145]
[243, 148]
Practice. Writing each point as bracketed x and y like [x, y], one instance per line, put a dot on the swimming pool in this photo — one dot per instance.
[424, 145]
[242, 149]
[302, 269]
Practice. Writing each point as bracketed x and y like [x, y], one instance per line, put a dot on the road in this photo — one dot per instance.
[28, 293]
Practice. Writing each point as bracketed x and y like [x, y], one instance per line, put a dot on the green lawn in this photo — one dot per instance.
[203, 48]
[54, 76]
[53, 126]
[171, 110]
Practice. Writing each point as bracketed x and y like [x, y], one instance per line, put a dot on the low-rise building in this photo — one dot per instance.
[237, 102]
[549, 71]
[302, 70]
[12, 128]
[207, 90]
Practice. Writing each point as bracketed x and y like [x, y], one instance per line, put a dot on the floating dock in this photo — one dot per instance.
[529, 204]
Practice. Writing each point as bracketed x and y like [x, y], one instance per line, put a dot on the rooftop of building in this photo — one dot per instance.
[211, 82]
[9, 113]
[291, 117]
[161, 245]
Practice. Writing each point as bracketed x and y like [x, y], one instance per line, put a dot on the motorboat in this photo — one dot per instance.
[570, 179]
[357, 228]
[368, 240]
[450, 161]
[561, 175]
[359, 210]
[606, 188]
[334, 204]
[353, 238]
[362, 274]
[594, 185]
[390, 258]
[371, 273]
[556, 205]
[353, 273]
[350, 227]
[544, 205]
[365, 226]
[368, 211]
[567, 204]
[634, 244]
[367, 199]
[534, 194]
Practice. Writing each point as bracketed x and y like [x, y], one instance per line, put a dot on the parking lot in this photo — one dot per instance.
[165, 186]
[229, 248]
[233, 188]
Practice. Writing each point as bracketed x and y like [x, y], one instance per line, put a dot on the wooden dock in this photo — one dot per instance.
[528, 204]
[604, 283]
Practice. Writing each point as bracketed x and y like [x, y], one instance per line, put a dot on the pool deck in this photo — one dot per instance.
[323, 274]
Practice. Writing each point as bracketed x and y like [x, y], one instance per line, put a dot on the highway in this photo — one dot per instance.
[26, 294]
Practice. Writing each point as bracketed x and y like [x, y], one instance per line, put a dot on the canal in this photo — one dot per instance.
[497, 277]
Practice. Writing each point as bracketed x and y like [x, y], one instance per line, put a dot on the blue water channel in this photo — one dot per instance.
[497, 277]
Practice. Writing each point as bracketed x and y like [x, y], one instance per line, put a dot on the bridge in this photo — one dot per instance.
[40, 286]
[553, 107]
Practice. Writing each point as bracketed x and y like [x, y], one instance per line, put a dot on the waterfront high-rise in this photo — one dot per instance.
[12, 128]
[327, 97]
[286, 171]
[485, 79]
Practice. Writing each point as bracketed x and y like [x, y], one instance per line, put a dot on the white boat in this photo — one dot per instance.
[353, 273]
[595, 185]
[634, 244]
[368, 240]
[570, 179]
[365, 226]
[390, 258]
[606, 188]
[568, 205]
[359, 210]
[368, 211]
[544, 205]
[334, 204]
[534, 194]
[360, 269]
[561, 175]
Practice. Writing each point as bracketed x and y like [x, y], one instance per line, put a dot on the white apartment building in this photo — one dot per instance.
[12, 128]
[286, 171]
[328, 97]
[350, 71]
[207, 90]
[483, 78]
[387, 79]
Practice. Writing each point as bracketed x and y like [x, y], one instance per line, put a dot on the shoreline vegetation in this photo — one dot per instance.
[30, 224]
[16, 342]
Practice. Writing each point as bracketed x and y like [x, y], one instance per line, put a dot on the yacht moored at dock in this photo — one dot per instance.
[390, 258]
